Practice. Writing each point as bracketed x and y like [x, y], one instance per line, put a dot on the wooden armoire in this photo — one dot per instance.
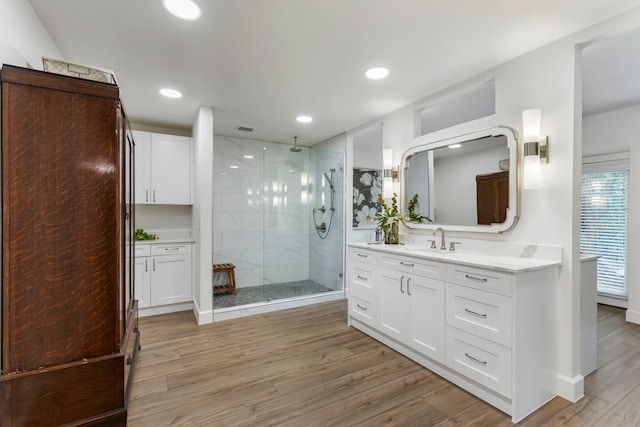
[492, 197]
[69, 315]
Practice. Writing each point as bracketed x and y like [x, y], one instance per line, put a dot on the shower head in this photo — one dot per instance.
[295, 148]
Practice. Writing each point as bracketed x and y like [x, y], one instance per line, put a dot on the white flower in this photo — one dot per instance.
[358, 197]
[366, 179]
[363, 216]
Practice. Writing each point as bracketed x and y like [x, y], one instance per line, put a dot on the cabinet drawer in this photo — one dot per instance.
[480, 278]
[171, 249]
[142, 250]
[480, 313]
[362, 307]
[426, 268]
[481, 360]
[362, 255]
[363, 278]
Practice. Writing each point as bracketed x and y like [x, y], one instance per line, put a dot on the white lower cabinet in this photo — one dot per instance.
[163, 274]
[487, 330]
[412, 311]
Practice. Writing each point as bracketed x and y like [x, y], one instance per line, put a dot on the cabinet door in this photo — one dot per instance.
[393, 303]
[142, 142]
[425, 328]
[170, 279]
[143, 281]
[170, 169]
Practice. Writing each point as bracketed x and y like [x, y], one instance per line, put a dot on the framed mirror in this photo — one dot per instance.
[465, 183]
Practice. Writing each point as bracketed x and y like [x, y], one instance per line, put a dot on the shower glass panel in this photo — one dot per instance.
[278, 217]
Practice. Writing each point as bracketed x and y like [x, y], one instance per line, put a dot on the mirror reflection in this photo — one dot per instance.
[463, 183]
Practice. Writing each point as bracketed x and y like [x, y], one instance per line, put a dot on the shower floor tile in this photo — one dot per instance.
[257, 294]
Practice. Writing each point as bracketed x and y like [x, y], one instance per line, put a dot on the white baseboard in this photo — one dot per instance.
[164, 309]
[633, 316]
[202, 317]
[571, 389]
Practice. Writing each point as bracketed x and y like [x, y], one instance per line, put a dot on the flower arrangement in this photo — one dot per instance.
[412, 215]
[390, 216]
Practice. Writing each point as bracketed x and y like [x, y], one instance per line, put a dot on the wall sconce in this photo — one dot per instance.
[535, 149]
[390, 173]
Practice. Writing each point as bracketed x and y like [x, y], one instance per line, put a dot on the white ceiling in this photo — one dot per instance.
[260, 63]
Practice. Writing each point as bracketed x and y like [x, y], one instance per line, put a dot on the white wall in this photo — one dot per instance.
[612, 132]
[23, 39]
[202, 220]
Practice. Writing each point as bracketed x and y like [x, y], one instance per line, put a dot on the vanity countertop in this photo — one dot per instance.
[164, 241]
[500, 262]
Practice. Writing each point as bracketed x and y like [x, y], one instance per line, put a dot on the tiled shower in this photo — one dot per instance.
[264, 197]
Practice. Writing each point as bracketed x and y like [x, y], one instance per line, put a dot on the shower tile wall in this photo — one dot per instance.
[257, 220]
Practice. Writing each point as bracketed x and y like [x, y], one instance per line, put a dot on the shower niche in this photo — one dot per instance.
[278, 217]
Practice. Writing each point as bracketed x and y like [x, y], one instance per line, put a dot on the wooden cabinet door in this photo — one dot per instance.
[61, 215]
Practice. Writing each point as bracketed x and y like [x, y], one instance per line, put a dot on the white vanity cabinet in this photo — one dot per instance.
[163, 169]
[411, 307]
[363, 286]
[163, 276]
[490, 329]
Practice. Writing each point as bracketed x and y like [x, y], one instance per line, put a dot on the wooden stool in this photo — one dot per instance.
[230, 286]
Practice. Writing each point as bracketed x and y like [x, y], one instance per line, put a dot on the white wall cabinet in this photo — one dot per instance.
[489, 331]
[163, 275]
[163, 169]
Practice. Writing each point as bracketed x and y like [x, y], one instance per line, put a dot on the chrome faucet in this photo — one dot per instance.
[443, 245]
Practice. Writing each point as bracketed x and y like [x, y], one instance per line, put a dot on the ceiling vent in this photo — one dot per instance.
[244, 128]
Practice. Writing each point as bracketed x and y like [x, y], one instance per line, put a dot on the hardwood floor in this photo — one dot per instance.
[306, 367]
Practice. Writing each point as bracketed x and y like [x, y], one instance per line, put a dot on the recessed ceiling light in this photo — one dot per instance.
[234, 167]
[455, 146]
[376, 73]
[183, 9]
[170, 93]
[304, 119]
[248, 156]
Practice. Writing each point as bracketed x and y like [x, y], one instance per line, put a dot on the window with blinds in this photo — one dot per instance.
[603, 226]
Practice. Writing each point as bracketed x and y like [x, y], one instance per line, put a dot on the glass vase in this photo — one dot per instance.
[391, 235]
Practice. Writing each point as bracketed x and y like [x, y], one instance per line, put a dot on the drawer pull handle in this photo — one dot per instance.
[362, 278]
[401, 280]
[484, 316]
[361, 307]
[362, 255]
[408, 264]
[171, 249]
[478, 279]
[478, 361]
[408, 293]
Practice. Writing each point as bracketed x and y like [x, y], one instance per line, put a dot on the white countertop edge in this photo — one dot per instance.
[163, 241]
[503, 263]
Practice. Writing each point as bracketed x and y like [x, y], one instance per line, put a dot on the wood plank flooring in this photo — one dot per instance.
[305, 367]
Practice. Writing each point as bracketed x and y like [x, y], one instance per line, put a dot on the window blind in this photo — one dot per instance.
[603, 227]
